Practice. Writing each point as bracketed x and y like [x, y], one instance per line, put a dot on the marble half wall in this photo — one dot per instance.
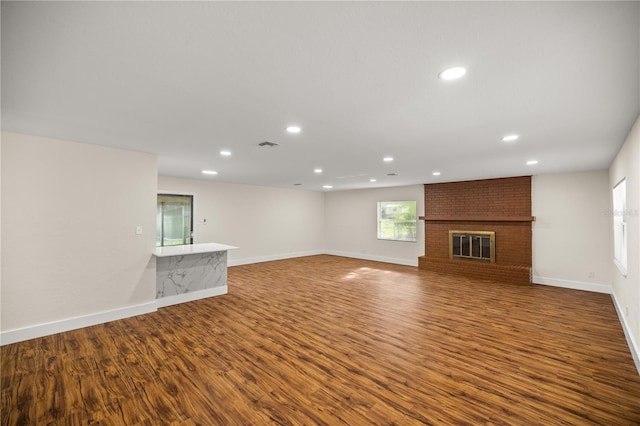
[176, 275]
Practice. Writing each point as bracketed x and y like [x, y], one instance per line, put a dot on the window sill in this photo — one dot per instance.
[620, 267]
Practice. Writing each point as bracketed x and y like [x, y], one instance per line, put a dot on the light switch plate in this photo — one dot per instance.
[138, 230]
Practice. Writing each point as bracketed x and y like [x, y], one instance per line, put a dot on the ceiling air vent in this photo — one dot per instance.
[269, 144]
[392, 174]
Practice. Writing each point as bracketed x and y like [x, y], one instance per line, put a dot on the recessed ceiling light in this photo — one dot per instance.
[387, 159]
[209, 172]
[510, 138]
[436, 173]
[532, 162]
[225, 153]
[327, 186]
[452, 73]
[372, 180]
[293, 129]
[317, 171]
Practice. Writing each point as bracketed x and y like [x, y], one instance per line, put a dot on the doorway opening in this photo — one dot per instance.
[174, 220]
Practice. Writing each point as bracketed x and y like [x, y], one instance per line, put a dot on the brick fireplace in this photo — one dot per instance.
[473, 209]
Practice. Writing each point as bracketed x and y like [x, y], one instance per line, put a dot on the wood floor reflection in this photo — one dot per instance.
[325, 340]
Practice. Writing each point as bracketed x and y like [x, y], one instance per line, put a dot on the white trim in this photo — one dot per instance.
[633, 346]
[247, 261]
[191, 296]
[619, 215]
[576, 285]
[621, 268]
[68, 324]
[397, 261]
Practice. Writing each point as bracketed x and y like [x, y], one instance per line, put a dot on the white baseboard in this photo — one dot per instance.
[362, 256]
[282, 256]
[633, 345]
[68, 324]
[576, 285]
[248, 261]
[46, 329]
[191, 296]
[40, 330]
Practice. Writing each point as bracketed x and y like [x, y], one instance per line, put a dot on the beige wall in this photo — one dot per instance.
[351, 224]
[0, 233]
[627, 289]
[266, 223]
[572, 233]
[69, 213]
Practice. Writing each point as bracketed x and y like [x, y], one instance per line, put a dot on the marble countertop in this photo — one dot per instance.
[191, 249]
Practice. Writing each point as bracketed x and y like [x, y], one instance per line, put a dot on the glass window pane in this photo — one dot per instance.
[475, 246]
[456, 245]
[397, 220]
[173, 220]
[465, 246]
[486, 247]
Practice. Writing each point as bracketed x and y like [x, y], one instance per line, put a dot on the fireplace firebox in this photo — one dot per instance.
[475, 245]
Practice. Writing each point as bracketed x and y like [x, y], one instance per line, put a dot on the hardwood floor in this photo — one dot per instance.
[330, 340]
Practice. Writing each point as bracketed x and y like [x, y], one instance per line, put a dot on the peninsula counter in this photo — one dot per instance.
[190, 272]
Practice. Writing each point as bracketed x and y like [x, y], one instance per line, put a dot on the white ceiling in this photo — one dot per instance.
[187, 79]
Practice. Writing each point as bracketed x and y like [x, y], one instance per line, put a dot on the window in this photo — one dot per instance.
[620, 226]
[174, 220]
[397, 220]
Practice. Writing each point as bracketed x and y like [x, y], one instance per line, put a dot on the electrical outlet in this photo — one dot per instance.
[590, 274]
[626, 311]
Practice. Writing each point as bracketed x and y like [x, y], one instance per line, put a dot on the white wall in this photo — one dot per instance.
[69, 211]
[266, 223]
[351, 224]
[572, 234]
[626, 290]
[69, 248]
[0, 234]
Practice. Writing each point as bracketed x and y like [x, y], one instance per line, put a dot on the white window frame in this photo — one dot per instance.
[380, 221]
[620, 226]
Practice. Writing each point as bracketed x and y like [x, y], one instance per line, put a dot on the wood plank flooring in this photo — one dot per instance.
[325, 340]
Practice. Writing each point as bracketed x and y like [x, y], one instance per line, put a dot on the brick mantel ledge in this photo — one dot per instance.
[445, 218]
